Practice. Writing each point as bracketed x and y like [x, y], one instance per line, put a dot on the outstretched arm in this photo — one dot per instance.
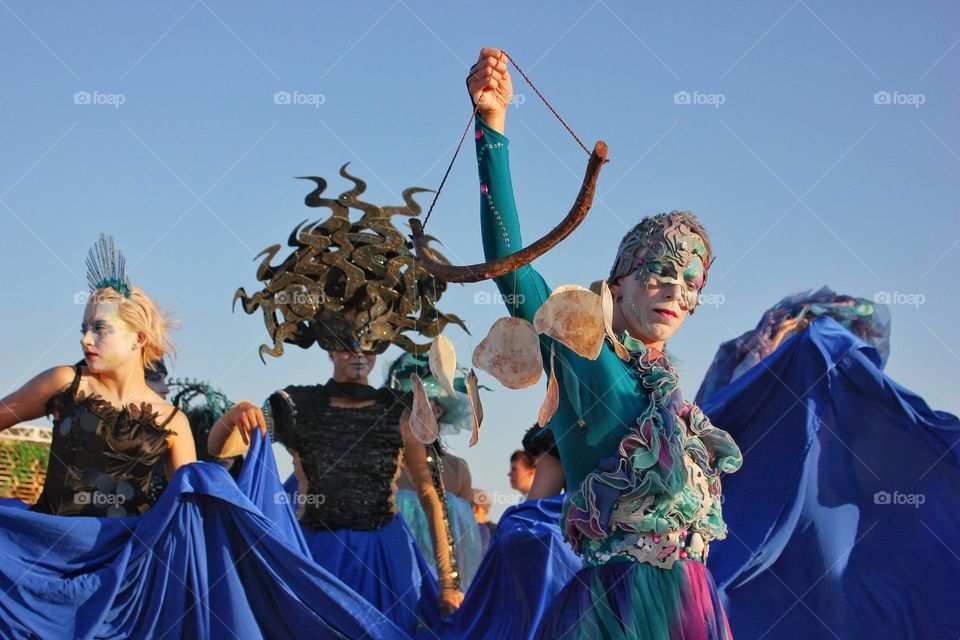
[29, 402]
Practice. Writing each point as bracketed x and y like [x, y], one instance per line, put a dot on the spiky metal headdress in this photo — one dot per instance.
[106, 267]
[348, 286]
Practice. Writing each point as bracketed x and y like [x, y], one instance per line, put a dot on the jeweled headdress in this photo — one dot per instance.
[665, 248]
[348, 285]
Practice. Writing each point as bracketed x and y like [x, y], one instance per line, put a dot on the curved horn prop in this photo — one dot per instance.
[508, 264]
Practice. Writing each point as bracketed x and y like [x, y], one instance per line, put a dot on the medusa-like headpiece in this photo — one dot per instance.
[348, 286]
[668, 248]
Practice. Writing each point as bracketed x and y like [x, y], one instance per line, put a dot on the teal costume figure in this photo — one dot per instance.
[642, 465]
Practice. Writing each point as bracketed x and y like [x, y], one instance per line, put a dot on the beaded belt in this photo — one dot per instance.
[661, 551]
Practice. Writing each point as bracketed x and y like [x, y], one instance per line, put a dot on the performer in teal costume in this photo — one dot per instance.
[643, 466]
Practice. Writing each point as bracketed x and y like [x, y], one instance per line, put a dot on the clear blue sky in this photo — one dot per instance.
[801, 177]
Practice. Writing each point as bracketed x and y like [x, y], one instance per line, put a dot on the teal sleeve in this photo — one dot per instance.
[583, 382]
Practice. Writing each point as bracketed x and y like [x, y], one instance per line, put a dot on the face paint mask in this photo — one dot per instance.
[664, 251]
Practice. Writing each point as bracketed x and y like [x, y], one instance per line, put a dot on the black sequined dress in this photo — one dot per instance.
[349, 459]
[350, 456]
[101, 457]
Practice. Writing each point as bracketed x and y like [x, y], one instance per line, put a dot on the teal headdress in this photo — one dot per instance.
[188, 392]
[106, 267]
[203, 405]
[456, 416]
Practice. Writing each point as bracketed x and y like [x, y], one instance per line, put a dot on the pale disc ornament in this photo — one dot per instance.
[552, 401]
[606, 304]
[510, 353]
[423, 422]
[443, 363]
[573, 317]
[473, 395]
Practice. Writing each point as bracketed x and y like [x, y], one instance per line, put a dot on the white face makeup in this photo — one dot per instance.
[352, 366]
[677, 258]
[107, 341]
[660, 270]
[651, 312]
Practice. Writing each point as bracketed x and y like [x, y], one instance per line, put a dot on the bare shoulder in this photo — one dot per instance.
[57, 378]
[177, 423]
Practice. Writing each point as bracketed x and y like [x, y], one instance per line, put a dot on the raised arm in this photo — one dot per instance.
[584, 383]
[489, 84]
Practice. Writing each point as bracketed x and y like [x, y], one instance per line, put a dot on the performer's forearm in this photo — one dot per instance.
[225, 442]
[433, 509]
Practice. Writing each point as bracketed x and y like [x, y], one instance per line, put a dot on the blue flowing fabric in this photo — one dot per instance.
[206, 562]
[384, 565]
[528, 563]
[845, 518]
